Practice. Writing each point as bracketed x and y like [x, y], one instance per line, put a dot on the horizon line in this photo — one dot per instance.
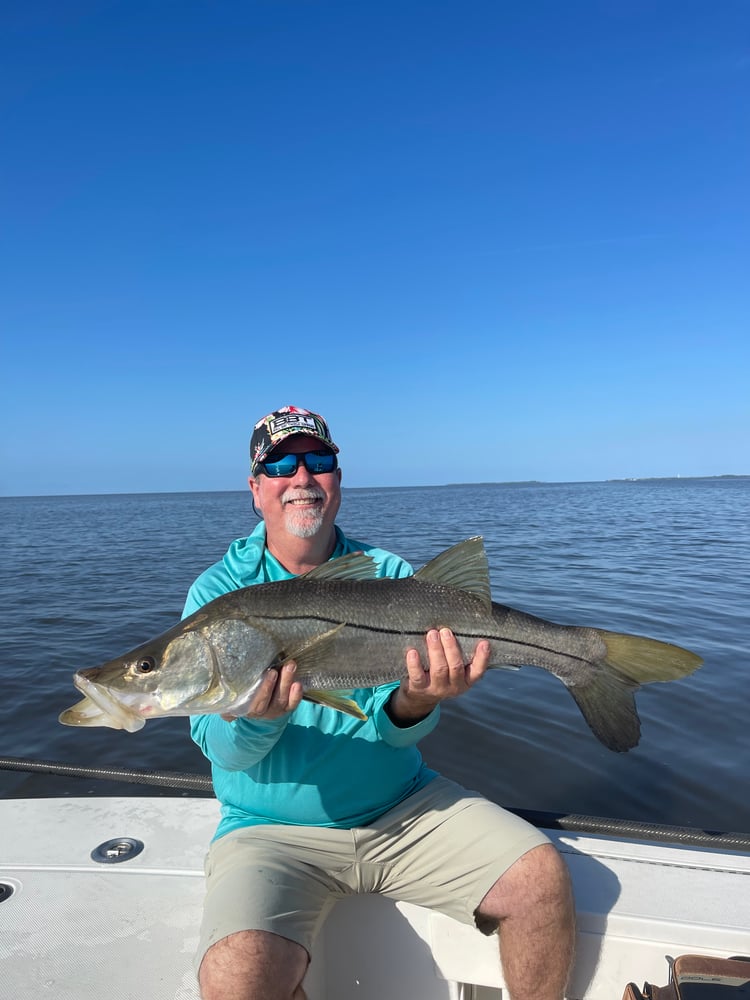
[423, 486]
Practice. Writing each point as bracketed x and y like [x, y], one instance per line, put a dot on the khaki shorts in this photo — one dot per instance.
[443, 848]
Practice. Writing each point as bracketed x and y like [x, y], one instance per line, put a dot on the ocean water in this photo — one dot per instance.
[87, 577]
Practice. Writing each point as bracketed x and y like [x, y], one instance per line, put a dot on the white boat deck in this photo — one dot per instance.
[75, 929]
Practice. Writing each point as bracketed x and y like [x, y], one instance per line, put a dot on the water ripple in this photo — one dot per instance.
[88, 577]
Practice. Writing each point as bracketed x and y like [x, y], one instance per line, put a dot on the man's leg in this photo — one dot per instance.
[532, 904]
[443, 846]
[268, 889]
[253, 965]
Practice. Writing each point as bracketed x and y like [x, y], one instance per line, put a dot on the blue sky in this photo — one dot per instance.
[489, 241]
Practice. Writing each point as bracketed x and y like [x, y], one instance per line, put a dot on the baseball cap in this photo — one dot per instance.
[271, 430]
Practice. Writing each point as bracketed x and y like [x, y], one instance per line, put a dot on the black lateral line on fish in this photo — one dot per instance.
[461, 634]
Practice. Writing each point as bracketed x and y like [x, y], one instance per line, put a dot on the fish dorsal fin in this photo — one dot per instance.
[354, 566]
[463, 566]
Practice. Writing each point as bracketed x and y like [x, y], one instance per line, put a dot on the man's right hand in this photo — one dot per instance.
[277, 694]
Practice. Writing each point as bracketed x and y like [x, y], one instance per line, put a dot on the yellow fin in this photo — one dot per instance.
[336, 700]
[647, 660]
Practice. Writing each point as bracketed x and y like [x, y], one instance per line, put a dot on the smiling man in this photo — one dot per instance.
[317, 804]
[301, 494]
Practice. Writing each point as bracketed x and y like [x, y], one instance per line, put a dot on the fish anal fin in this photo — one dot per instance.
[463, 566]
[336, 700]
[354, 566]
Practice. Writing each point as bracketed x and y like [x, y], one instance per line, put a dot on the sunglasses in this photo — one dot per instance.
[316, 462]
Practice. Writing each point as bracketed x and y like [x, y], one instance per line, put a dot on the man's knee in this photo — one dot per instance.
[539, 880]
[253, 965]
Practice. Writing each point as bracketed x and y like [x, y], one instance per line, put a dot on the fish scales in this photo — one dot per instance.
[382, 619]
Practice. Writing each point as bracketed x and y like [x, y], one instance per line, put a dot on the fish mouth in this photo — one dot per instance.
[99, 708]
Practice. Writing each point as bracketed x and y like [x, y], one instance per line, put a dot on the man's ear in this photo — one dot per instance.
[252, 482]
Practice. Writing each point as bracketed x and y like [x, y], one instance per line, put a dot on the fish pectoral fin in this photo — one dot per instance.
[313, 653]
[354, 566]
[312, 657]
[336, 700]
[463, 566]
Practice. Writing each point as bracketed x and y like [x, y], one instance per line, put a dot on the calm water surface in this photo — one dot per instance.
[87, 577]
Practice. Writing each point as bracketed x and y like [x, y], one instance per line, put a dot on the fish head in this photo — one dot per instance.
[158, 678]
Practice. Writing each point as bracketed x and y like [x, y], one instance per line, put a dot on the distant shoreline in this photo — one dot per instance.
[623, 479]
[430, 486]
[661, 479]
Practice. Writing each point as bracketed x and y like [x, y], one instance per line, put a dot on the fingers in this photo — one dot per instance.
[447, 674]
[446, 661]
[419, 678]
[277, 694]
[480, 662]
[447, 669]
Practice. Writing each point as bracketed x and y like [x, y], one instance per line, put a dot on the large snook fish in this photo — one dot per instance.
[346, 629]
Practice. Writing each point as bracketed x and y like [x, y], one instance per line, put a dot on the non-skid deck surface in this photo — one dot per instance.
[77, 930]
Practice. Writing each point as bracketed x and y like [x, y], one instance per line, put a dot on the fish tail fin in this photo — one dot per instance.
[607, 701]
[608, 706]
[647, 660]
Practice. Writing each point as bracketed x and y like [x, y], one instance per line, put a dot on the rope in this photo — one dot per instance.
[637, 830]
[631, 829]
[137, 776]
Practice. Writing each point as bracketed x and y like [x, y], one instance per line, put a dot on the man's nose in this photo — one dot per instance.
[302, 477]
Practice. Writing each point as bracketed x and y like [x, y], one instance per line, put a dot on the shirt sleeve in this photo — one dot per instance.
[212, 583]
[237, 745]
[196, 598]
[400, 736]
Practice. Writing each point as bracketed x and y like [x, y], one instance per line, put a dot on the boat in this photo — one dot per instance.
[100, 899]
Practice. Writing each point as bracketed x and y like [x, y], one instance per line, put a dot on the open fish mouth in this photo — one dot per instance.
[99, 708]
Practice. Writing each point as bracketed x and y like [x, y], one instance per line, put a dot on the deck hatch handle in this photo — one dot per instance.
[112, 852]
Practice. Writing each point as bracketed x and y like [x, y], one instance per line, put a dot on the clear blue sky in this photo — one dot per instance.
[488, 240]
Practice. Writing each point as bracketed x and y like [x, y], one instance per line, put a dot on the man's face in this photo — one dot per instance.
[302, 505]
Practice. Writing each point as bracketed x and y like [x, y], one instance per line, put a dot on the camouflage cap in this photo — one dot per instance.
[271, 430]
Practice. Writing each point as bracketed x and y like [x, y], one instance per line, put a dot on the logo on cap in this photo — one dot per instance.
[274, 428]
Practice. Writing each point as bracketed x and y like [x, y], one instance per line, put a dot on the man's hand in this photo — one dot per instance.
[447, 676]
[277, 694]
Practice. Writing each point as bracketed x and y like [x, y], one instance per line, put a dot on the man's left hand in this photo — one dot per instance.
[446, 676]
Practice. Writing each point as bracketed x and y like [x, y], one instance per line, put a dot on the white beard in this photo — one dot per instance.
[303, 522]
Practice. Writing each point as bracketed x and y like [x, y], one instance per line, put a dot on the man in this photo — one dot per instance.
[316, 804]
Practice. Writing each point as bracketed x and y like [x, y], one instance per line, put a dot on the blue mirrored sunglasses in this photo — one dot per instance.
[316, 462]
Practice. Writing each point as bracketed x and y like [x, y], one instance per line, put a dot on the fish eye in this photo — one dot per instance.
[145, 665]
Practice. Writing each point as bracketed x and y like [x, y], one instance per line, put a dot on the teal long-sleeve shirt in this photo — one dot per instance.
[314, 766]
